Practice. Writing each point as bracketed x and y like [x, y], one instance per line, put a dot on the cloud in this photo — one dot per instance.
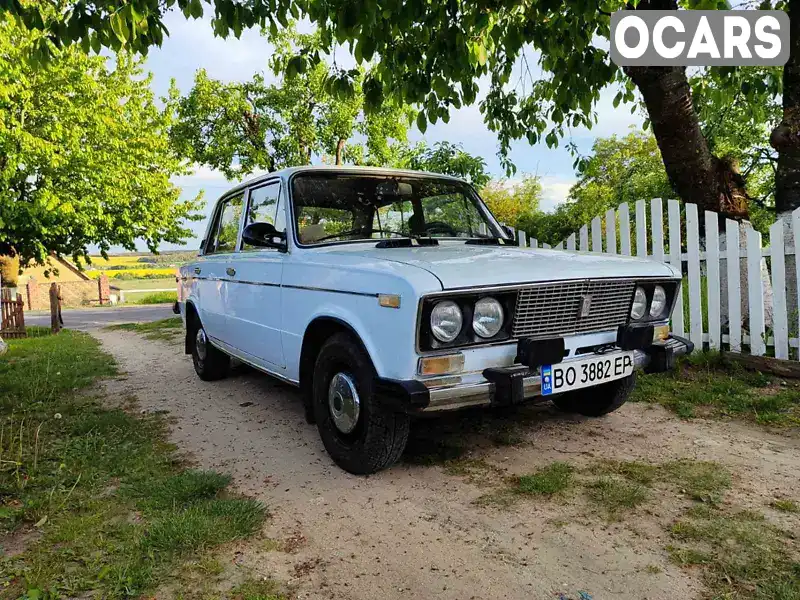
[555, 191]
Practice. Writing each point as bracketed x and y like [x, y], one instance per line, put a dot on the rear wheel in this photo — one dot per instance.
[597, 401]
[210, 363]
[361, 435]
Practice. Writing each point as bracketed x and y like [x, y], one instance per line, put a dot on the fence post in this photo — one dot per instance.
[641, 229]
[755, 292]
[713, 281]
[55, 308]
[523, 242]
[674, 214]
[732, 249]
[780, 323]
[597, 235]
[624, 229]
[611, 231]
[104, 289]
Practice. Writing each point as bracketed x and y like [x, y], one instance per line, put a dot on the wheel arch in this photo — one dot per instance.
[317, 332]
[191, 314]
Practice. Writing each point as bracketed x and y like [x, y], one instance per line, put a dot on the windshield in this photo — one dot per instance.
[337, 207]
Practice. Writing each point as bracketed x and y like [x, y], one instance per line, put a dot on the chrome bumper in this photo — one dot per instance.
[479, 391]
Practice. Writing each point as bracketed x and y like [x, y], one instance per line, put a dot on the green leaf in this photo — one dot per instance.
[422, 123]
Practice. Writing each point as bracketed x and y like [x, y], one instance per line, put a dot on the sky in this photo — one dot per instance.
[191, 45]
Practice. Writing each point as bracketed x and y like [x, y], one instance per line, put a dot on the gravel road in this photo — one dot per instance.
[416, 530]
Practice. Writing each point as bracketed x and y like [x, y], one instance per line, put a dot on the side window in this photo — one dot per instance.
[227, 229]
[266, 207]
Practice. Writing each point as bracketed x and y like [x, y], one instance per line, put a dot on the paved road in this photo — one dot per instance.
[92, 318]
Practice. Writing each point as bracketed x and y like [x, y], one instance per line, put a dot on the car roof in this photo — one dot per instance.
[284, 174]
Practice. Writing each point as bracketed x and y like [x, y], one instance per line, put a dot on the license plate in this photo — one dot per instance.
[577, 374]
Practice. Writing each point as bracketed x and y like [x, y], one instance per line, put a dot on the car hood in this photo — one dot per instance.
[457, 265]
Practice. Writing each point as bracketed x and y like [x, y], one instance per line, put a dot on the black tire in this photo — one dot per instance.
[212, 366]
[380, 434]
[596, 401]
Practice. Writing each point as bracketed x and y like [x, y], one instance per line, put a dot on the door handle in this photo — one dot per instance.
[197, 270]
[230, 271]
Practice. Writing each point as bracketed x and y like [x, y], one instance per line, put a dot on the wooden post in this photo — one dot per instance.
[21, 315]
[55, 308]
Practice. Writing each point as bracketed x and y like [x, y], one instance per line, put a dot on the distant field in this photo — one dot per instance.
[145, 284]
[134, 273]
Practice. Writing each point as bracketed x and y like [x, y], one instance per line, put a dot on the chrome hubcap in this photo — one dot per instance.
[343, 402]
[200, 344]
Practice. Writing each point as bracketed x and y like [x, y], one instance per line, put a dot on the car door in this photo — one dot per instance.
[254, 309]
[211, 270]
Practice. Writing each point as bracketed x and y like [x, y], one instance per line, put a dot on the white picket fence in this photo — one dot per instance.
[720, 265]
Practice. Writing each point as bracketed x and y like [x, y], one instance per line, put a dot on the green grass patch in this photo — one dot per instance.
[700, 480]
[165, 329]
[156, 298]
[115, 510]
[546, 481]
[705, 385]
[741, 555]
[616, 496]
[785, 505]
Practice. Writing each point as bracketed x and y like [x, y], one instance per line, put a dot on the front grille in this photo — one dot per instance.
[553, 309]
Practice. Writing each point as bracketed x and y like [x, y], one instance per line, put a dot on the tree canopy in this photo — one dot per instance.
[84, 155]
[242, 127]
[514, 203]
[545, 62]
[446, 158]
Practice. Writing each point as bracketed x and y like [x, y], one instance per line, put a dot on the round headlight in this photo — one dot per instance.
[446, 321]
[487, 318]
[659, 303]
[639, 304]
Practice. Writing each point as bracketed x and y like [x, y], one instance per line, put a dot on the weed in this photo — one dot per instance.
[548, 480]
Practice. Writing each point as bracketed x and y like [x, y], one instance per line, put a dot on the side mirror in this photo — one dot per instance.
[264, 235]
[508, 231]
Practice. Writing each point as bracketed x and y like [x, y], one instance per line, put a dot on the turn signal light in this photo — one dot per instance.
[660, 333]
[448, 364]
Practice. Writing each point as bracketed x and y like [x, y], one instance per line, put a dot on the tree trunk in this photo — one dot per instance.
[696, 175]
[785, 138]
[340, 151]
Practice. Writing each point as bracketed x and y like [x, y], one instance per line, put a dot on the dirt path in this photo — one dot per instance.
[415, 531]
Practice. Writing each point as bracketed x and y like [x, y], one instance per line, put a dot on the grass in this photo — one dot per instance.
[546, 481]
[156, 298]
[705, 385]
[165, 329]
[740, 554]
[702, 481]
[616, 496]
[110, 509]
[145, 284]
[785, 505]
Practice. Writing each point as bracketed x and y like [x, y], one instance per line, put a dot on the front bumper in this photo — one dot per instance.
[451, 393]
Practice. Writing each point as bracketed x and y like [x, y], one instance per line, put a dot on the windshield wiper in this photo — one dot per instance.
[487, 241]
[407, 242]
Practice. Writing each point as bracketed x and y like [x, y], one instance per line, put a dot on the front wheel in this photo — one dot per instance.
[596, 401]
[361, 435]
[210, 364]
